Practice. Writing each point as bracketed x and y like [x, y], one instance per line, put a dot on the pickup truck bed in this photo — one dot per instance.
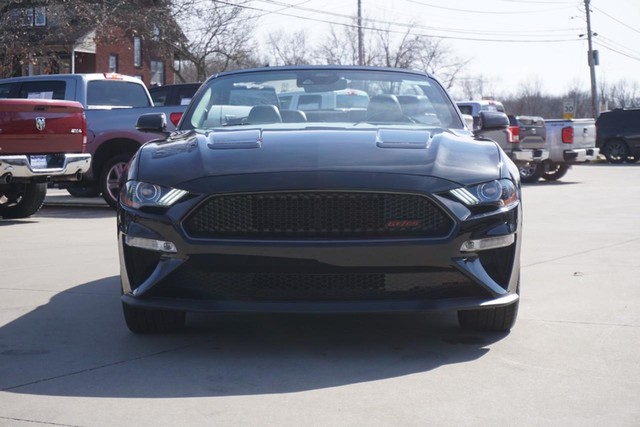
[40, 141]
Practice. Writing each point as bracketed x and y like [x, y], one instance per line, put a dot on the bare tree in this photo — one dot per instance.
[289, 49]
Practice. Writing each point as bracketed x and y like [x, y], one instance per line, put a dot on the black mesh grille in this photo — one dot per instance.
[202, 284]
[318, 215]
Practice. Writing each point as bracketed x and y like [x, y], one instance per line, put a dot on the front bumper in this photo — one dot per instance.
[318, 276]
[57, 167]
[581, 155]
[530, 155]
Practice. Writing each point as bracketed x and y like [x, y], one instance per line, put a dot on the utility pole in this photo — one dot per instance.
[595, 105]
[360, 43]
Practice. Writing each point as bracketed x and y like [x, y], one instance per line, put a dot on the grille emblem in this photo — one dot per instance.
[40, 123]
[403, 223]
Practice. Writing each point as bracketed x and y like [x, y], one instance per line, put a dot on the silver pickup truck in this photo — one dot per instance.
[519, 141]
[112, 104]
[570, 142]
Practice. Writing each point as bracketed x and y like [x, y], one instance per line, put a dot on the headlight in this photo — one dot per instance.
[501, 193]
[142, 194]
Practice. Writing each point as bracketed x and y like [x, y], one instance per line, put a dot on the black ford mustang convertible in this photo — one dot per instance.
[320, 190]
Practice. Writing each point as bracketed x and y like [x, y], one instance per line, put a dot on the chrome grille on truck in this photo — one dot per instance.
[318, 214]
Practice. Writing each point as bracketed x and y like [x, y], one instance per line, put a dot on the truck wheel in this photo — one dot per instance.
[148, 321]
[23, 201]
[555, 172]
[91, 191]
[616, 151]
[110, 177]
[530, 172]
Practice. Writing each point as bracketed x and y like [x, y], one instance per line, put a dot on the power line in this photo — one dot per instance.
[517, 37]
[485, 11]
[615, 19]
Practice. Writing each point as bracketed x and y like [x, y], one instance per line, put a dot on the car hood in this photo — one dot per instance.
[187, 155]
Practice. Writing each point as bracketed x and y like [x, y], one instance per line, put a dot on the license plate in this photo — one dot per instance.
[38, 162]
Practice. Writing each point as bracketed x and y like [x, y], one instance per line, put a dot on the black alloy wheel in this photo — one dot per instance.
[616, 151]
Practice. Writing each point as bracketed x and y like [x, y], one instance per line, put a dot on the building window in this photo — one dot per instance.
[40, 16]
[113, 63]
[29, 16]
[157, 73]
[137, 52]
[156, 32]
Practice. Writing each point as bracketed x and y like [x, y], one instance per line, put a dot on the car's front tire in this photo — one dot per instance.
[498, 319]
[149, 321]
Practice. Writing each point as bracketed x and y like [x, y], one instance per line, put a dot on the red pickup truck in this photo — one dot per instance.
[40, 141]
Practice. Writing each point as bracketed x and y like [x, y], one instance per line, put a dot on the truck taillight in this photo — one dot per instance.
[514, 134]
[84, 132]
[175, 118]
[567, 135]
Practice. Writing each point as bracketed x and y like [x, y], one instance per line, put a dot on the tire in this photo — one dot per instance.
[633, 158]
[616, 151]
[498, 319]
[110, 177]
[24, 201]
[83, 191]
[148, 321]
[556, 172]
[530, 172]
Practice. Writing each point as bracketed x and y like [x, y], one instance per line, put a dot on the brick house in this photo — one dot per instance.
[60, 43]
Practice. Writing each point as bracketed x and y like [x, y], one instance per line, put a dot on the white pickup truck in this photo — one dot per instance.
[569, 142]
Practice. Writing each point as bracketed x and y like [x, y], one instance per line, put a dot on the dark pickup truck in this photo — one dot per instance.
[40, 141]
[112, 103]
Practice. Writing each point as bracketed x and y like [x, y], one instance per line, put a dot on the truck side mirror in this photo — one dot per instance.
[152, 122]
[493, 120]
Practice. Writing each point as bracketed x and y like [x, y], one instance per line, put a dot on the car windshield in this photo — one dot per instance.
[321, 97]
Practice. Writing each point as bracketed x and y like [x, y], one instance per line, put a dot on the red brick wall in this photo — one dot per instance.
[122, 45]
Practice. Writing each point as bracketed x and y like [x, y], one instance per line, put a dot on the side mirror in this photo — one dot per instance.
[152, 122]
[493, 120]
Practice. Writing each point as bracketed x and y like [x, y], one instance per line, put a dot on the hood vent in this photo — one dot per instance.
[239, 139]
[400, 138]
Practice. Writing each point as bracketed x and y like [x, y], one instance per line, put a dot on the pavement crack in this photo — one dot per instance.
[613, 245]
[96, 368]
[47, 423]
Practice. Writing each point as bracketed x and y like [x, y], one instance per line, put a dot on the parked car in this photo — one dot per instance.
[526, 155]
[618, 135]
[175, 94]
[570, 142]
[40, 141]
[112, 104]
[246, 209]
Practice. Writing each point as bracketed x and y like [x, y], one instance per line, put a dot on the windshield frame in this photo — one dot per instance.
[334, 79]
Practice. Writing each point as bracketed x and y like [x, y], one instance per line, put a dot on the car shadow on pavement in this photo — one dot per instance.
[74, 212]
[78, 345]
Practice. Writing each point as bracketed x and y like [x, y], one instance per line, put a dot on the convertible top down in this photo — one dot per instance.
[255, 204]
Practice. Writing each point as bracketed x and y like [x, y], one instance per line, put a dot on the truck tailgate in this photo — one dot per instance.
[41, 126]
[584, 133]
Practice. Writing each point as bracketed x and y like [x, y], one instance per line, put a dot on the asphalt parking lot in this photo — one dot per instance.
[67, 359]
